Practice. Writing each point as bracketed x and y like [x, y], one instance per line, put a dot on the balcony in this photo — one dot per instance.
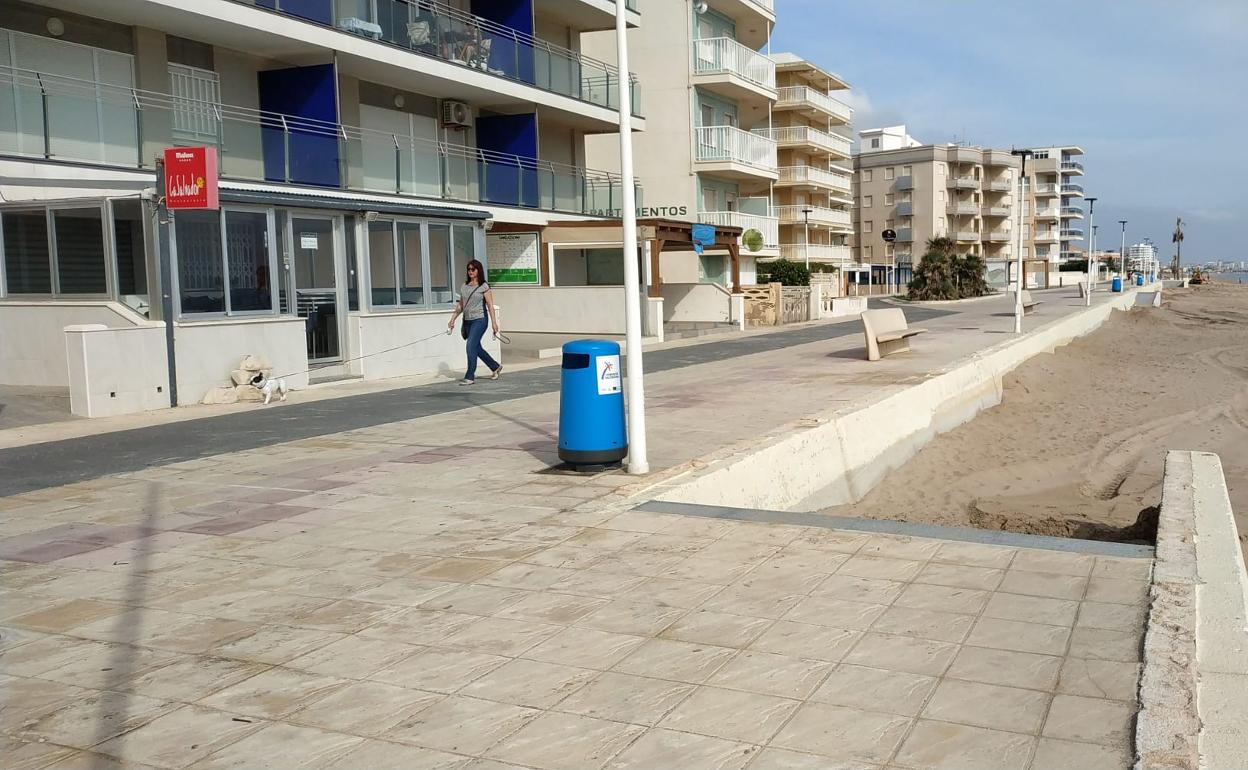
[964, 209]
[1050, 213]
[998, 236]
[1071, 167]
[754, 19]
[905, 182]
[724, 66]
[905, 235]
[1071, 234]
[999, 185]
[807, 138]
[813, 103]
[588, 15]
[905, 209]
[814, 177]
[729, 151]
[1044, 190]
[820, 216]
[1072, 189]
[818, 252]
[437, 31]
[962, 183]
[1047, 236]
[1072, 212]
[101, 124]
[995, 211]
[768, 226]
[963, 236]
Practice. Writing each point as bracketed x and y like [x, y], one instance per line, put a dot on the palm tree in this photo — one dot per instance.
[936, 277]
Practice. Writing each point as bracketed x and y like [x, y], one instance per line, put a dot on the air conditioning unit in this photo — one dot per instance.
[456, 114]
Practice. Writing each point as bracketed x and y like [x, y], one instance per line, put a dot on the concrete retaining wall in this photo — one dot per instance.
[1194, 687]
[845, 455]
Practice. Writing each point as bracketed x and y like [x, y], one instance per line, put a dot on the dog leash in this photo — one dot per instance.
[500, 337]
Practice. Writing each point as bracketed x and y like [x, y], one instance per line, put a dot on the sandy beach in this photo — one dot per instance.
[1077, 445]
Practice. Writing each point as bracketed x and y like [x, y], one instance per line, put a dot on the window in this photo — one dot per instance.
[1026, 252]
[411, 264]
[79, 249]
[889, 172]
[868, 226]
[442, 278]
[866, 251]
[888, 250]
[866, 201]
[940, 169]
[418, 265]
[225, 261]
[130, 251]
[888, 224]
[465, 251]
[875, 143]
[247, 260]
[940, 195]
[888, 199]
[381, 262]
[866, 175]
[27, 255]
[196, 99]
[906, 171]
[57, 251]
[201, 279]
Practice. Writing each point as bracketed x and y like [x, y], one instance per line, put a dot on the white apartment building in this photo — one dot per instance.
[1142, 257]
[1053, 206]
[709, 153]
[367, 149]
[922, 192]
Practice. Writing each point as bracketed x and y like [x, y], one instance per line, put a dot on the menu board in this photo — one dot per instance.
[512, 258]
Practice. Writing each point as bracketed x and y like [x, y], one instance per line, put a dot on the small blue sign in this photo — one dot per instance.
[702, 236]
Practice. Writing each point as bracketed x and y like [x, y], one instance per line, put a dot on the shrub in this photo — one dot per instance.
[784, 272]
[942, 274]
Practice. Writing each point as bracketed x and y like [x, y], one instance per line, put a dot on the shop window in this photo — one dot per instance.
[80, 263]
[201, 272]
[247, 256]
[27, 256]
[443, 282]
[225, 261]
[381, 263]
[411, 265]
[465, 252]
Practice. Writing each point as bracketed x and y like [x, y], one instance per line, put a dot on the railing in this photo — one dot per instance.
[1046, 235]
[905, 235]
[998, 236]
[1045, 189]
[1070, 165]
[766, 5]
[1072, 211]
[809, 137]
[905, 182]
[824, 252]
[963, 182]
[1000, 185]
[995, 211]
[725, 56]
[729, 143]
[819, 215]
[815, 176]
[768, 226]
[86, 121]
[966, 235]
[790, 96]
[966, 209]
[441, 32]
[1072, 232]
[905, 209]
[1046, 213]
[1072, 189]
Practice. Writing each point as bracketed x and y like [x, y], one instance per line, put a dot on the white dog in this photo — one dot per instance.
[268, 387]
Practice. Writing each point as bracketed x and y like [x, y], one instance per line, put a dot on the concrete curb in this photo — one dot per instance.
[845, 455]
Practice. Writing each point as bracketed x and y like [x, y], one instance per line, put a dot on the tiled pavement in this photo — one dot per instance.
[385, 597]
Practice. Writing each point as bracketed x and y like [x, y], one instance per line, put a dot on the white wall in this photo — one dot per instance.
[116, 371]
[562, 309]
[443, 353]
[32, 337]
[696, 302]
[207, 351]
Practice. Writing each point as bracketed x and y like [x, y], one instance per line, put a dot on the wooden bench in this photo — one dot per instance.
[1029, 304]
[886, 332]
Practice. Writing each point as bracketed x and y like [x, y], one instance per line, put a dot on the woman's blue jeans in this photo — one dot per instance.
[476, 330]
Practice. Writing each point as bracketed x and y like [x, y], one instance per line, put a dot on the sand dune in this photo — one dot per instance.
[1076, 446]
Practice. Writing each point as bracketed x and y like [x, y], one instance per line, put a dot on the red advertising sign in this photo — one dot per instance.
[191, 178]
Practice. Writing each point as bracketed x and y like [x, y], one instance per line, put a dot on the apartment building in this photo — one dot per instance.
[1053, 206]
[813, 196]
[365, 148]
[708, 153]
[926, 191]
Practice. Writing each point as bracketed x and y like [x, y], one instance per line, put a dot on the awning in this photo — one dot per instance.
[312, 198]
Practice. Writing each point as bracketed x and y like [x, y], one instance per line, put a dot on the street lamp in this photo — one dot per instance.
[1091, 252]
[637, 462]
[1122, 255]
[806, 211]
[1018, 257]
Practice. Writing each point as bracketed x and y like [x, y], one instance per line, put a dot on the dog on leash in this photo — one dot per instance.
[268, 387]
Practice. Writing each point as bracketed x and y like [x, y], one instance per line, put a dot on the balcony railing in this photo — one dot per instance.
[1072, 167]
[81, 120]
[439, 31]
[905, 182]
[824, 252]
[1045, 189]
[999, 185]
[966, 235]
[725, 56]
[797, 96]
[905, 235]
[1046, 213]
[813, 175]
[962, 209]
[1072, 211]
[1072, 233]
[731, 144]
[995, 211]
[1047, 235]
[807, 137]
[819, 215]
[998, 236]
[1072, 189]
[768, 226]
[962, 182]
[905, 209]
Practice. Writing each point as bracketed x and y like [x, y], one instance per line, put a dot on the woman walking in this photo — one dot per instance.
[475, 301]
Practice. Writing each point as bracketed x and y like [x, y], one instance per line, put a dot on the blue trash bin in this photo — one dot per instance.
[1139, 280]
[591, 404]
[1116, 285]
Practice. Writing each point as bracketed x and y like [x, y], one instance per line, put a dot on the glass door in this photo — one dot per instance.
[315, 276]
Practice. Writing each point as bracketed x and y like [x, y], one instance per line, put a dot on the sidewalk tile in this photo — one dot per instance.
[556, 741]
[1004, 667]
[770, 674]
[529, 683]
[731, 714]
[803, 640]
[626, 698]
[845, 733]
[944, 746]
[462, 725]
[987, 705]
[439, 669]
[281, 747]
[677, 661]
[874, 689]
[670, 749]
[1092, 720]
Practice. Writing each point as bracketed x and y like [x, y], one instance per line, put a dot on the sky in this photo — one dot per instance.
[1156, 94]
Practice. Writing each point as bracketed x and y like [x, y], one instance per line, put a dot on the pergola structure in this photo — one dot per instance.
[672, 235]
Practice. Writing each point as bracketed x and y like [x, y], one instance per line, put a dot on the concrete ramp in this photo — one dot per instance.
[1148, 299]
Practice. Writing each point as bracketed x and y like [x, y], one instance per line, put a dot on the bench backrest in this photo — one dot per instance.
[1026, 297]
[886, 320]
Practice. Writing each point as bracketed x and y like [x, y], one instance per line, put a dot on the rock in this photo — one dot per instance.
[241, 376]
[253, 364]
[221, 395]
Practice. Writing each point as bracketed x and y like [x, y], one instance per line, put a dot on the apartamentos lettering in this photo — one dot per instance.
[646, 211]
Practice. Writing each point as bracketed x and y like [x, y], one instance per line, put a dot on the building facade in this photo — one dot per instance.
[922, 192]
[813, 196]
[367, 150]
[1053, 206]
[707, 154]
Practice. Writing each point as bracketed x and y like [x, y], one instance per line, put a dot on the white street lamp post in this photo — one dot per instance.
[1018, 258]
[806, 245]
[1088, 265]
[1122, 255]
[634, 387]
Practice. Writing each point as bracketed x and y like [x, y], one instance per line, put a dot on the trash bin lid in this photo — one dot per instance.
[592, 347]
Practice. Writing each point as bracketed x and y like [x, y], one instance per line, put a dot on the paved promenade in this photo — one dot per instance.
[410, 589]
